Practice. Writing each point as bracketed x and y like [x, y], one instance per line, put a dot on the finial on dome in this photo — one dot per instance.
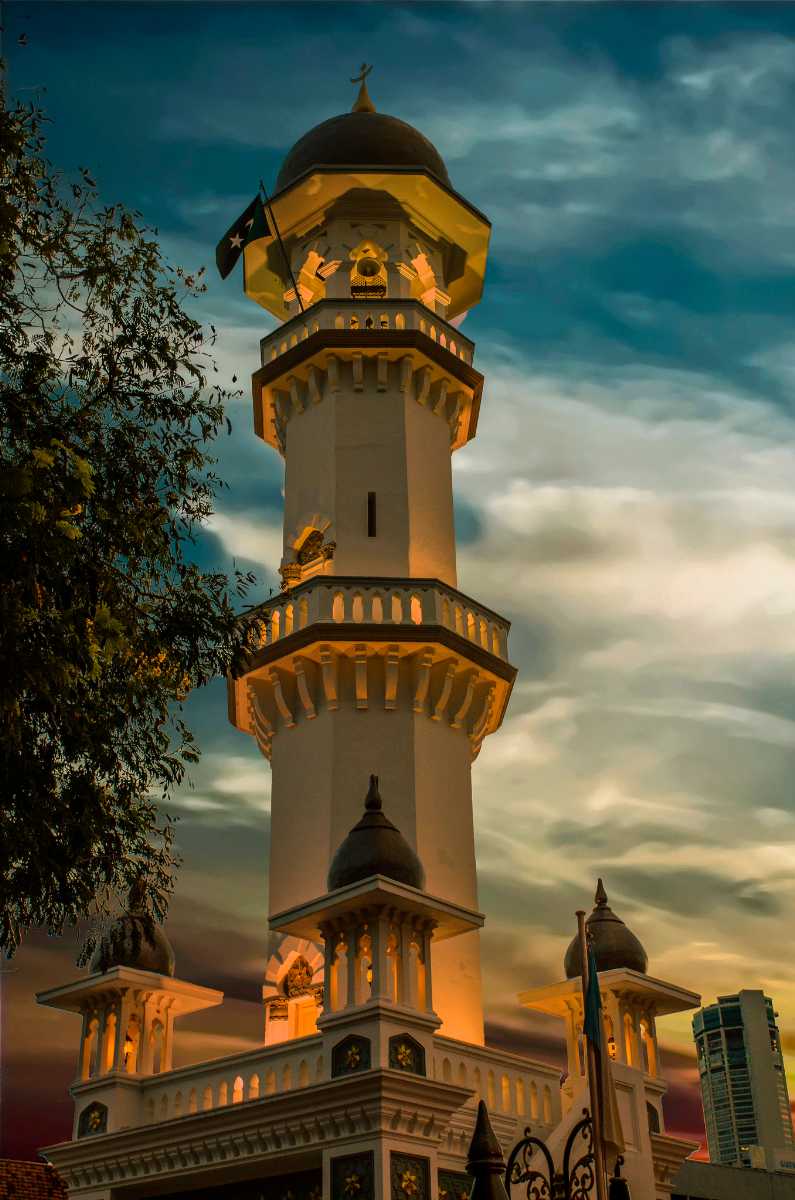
[363, 102]
[372, 801]
[600, 899]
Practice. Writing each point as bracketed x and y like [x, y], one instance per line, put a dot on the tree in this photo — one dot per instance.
[106, 419]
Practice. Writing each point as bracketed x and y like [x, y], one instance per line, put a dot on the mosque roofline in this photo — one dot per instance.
[670, 997]
[303, 920]
[378, 169]
[189, 997]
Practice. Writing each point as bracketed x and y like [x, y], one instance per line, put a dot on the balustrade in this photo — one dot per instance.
[360, 315]
[501, 1079]
[383, 601]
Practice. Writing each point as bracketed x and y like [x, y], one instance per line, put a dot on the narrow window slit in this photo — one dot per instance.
[371, 514]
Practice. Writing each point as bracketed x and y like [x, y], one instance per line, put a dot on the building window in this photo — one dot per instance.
[371, 514]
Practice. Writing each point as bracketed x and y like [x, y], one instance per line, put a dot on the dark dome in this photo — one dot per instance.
[375, 847]
[613, 944]
[361, 139]
[134, 940]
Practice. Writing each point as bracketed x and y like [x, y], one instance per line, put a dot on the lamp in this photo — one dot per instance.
[618, 1188]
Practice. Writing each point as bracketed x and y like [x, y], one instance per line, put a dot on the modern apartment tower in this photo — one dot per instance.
[743, 1084]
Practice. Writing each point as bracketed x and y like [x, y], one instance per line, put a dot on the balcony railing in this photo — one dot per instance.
[367, 316]
[263, 1071]
[388, 601]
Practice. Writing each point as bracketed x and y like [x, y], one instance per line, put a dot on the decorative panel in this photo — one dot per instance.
[349, 1055]
[454, 1185]
[406, 1054]
[93, 1119]
[408, 1177]
[353, 1177]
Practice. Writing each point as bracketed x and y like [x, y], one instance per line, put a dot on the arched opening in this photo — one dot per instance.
[416, 610]
[163, 1107]
[156, 1038]
[648, 1048]
[109, 1042]
[354, 322]
[433, 332]
[192, 1104]
[393, 961]
[484, 634]
[423, 326]
[505, 1089]
[178, 1104]
[364, 974]
[495, 641]
[462, 1074]
[338, 607]
[377, 610]
[397, 609]
[453, 347]
[287, 1077]
[88, 1064]
[304, 332]
[547, 1105]
[471, 626]
[628, 1039]
[459, 619]
[477, 1083]
[288, 620]
[237, 1090]
[357, 611]
[533, 1100]
[303, 612]
[207, 1098]
[223, 1094]
[276, 617]
[150, 1110]
[339, 321]
[132, 1040]
[442, 340]
[303, 1074]
[400, 321]
[520, 1097]
[293, 341]
[445, 612]
[253, 1087]
[383, 320]
[447, 1071]
[319, 1069]
[270, 1083]
[653, 1117]
[491, 1090]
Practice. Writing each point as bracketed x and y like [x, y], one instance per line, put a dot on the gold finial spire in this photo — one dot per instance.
[363, 101]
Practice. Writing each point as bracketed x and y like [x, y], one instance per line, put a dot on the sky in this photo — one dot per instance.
[627, 503]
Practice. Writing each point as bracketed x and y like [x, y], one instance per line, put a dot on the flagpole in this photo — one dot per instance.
[600, 1169]
[264, 191]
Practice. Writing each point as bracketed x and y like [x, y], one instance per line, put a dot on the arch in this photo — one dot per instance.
[163, 1107]
[521, 1100]
[368, 322]
[207, 1099]
[304, 332]
[293, 341]
[496, 648]
[192, 1101]
[288, 619]
[319, 1068]
[462, 1074]
[433, 332]
[628, 1039]
[400, 321]
[303, 612]
[237, 1090]
[505, 1090]
[377, 609]
[287, 1077]
[88, 1065]
[178, 1104]
[416, 610]
[533, 1099]
[274, 353]
[648, 1048]
[357, 608]
[270, 1082]
[470, 625]
[156, 1040]
[276, 620]
[150, 1110]
[653, 1118]
[303, 1073]
[484, 633]
[547, 1105]
[423, 326]
[447, 1070]
[459, 618]
[339, 321]
[491, 1090]
[452, 347]
[315, 327]
[338, 607]
[109, 1042]
[383, 320]
[354, 321]
[283, 348]
[253, 1088]
[396, 606]
[223, 1094]
[477, 1083]
[442, 339]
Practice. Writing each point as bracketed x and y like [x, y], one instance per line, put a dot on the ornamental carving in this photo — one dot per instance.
[454, 1185]
[406, 1054]
[93, 1120]
[350, 1055]
[298, 980]
[352, 1177]
[408, 1177]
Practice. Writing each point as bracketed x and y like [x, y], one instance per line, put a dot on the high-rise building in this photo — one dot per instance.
[743, 1084]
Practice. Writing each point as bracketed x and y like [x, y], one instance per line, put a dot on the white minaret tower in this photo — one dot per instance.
[370, 658]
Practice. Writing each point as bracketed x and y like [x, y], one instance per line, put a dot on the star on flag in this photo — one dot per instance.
[250, 226]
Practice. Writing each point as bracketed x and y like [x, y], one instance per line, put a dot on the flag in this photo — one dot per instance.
[594, 1030]
[251, 226]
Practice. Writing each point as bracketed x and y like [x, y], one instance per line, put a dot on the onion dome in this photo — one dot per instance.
[375, 847]
[613, 944]
[361, 139]
[134, 940]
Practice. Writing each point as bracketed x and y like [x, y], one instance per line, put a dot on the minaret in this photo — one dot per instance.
[370, 658]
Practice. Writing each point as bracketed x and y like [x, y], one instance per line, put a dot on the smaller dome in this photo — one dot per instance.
[613, 944]
[375, 847]
[134, 940]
